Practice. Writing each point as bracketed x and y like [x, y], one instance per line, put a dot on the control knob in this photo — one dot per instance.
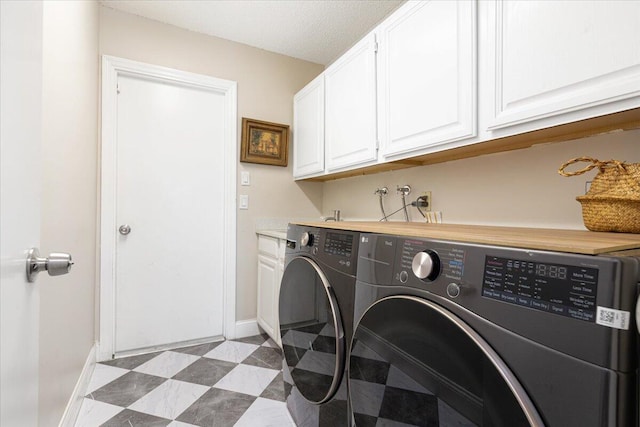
[306, 239]
[426, 265]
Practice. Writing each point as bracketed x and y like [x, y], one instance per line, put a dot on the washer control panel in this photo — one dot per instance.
[564, 289]
[480, 276]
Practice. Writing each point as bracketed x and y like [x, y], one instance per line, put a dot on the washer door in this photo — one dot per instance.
[415, 363]
[311, 330]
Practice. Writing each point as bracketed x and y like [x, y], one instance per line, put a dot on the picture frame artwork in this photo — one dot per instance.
[264, 142]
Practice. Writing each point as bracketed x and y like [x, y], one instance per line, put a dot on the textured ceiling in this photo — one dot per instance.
[314, 30]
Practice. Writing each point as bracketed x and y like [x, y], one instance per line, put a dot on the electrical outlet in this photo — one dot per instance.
[427, 196]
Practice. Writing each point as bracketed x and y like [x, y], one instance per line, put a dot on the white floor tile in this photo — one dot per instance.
[170, 399]
[167, 364]
[266, 413]
[180, 424]
[232, 351]
[103, 375]
[247, 379]
[93, 413]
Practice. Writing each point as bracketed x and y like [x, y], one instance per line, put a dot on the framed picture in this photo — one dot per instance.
[264, 142]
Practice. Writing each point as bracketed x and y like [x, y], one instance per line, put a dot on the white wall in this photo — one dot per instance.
[266, 85]
[515, 188]
[70, 129]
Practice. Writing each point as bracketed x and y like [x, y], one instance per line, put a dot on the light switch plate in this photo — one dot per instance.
[245, 178]
[244, 201]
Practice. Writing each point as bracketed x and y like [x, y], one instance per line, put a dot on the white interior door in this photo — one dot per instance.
[170, 175]
[20, 137]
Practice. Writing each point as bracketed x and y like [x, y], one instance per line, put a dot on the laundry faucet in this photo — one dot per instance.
[335, 217]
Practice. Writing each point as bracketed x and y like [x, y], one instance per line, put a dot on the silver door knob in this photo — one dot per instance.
[56, 264]
[124, 229]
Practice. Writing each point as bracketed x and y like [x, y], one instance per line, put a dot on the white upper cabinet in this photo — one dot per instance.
[551, 58]
[427, 75]
[350, 101]
[308, 129]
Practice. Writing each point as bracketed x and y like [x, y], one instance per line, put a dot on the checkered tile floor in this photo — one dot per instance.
[382, 394]
[227, 383]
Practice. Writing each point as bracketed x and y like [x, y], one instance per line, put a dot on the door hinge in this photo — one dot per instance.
[118, 89]
[375, 47]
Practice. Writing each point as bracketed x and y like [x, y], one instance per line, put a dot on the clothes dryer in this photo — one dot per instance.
[456, 334]
[316, 323]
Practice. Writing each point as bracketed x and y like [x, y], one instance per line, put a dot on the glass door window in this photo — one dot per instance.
[311, 330]
[413, 362]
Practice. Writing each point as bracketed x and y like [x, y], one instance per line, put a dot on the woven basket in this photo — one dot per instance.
[613, 200]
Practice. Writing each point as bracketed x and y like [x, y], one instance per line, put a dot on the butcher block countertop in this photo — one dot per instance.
[573, 241]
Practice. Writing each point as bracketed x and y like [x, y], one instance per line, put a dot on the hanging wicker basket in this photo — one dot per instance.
[613, 200]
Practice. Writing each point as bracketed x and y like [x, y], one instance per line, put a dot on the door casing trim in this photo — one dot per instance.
[111, 68]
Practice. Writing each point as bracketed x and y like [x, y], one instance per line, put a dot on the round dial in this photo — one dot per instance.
[426, 265]
[306, 239]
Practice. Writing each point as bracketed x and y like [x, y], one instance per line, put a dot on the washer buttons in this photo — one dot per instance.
[404, 276]
[453, 290]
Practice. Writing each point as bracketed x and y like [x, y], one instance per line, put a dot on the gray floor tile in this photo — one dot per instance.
[131, 418]
[265, 357]
[127, 389]
[200, 349]
[205, 371]
[275, 390]
[131, 362]
[217, 408]
[256, 339]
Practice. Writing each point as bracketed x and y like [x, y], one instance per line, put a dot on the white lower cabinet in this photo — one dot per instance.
[270, 269]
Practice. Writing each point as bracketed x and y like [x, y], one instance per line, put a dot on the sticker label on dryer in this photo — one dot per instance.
[613, 318]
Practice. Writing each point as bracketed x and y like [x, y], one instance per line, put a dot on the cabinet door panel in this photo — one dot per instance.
[553, 57]
[268, 285]
[350, 96]
[308, 129]
[427, 75]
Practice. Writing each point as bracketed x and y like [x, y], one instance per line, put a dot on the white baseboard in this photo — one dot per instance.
[247, 328]
[75, 402]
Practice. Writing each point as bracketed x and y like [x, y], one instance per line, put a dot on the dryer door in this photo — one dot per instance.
[414, 363]
[311, 330]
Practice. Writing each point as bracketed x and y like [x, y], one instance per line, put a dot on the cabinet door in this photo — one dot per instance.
[350, 96]
[308, 129]
[555, 57]
[427, 75]
[268, 285]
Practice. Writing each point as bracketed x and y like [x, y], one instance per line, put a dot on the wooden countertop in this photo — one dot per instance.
[573, 241]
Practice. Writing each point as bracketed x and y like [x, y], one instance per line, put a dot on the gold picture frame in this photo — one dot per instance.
[264, 142]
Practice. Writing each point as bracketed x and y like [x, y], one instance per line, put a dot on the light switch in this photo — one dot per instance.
[244, 201]
[245, 178]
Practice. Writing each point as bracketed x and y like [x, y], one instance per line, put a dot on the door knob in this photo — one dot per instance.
[124, 229]
[56, 264]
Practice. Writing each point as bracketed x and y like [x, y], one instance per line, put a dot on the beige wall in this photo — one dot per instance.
[518, 188]
[266, 85]
[70, 129]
